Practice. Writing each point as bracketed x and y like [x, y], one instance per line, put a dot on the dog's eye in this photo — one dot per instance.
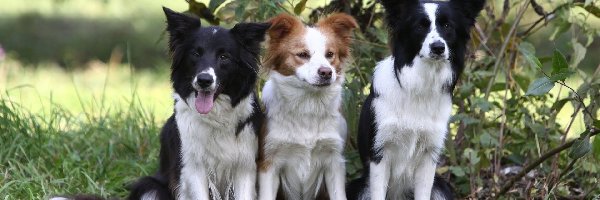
[197, 52]
[223, 57]
[303, 55]
[447, 26]
[329, 55]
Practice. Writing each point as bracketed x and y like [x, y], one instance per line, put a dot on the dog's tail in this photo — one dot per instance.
[81, 197]
[442, 190]
[356, 188]
[149, 188]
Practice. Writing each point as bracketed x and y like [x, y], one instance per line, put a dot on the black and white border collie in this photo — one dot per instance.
[303, 138]
[404, 120]
[209, 146]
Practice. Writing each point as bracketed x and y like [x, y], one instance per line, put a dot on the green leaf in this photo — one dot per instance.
[464, 118]
[202, 11]
[557, 106]
[457, 171]
[579, 52]
[482, 104]
[540, 86]
[300, 7]
[561, 75]
[471, 155]
[487, 140]
[593, 10]
[522, 79]
[528, 52]
[559, 62]
[214, 4]
[596, 147]
[581, 147]
[563, 27]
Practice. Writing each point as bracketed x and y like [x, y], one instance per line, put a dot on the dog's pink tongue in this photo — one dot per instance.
[204, 102]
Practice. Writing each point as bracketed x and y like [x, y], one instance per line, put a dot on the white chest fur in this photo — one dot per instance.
[213, 156]
[306, 134]
[412, 115]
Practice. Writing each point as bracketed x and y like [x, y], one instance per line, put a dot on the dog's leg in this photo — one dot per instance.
[194, 183]
[379, 177]
[245, 184]
[335, 177]
[268, 184]
[424, 175]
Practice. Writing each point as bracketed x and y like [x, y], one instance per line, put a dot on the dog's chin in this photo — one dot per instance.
[321, 84]
[318, 84]
[435, 58]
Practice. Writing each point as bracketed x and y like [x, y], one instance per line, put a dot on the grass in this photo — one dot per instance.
[65, 154]
[92, 131]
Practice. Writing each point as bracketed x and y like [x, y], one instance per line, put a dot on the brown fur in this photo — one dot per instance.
[338, 29]
[286, 40]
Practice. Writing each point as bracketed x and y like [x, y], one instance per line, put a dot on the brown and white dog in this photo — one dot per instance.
[303, 139]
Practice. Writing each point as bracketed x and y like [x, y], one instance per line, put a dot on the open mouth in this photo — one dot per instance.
[205, 100]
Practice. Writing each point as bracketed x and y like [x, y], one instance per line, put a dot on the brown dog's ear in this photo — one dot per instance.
[282, 25]
[341, 24]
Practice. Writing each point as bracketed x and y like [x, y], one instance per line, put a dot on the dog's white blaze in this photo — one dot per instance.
[211, 152]
[316, 43]
[411, 118]
[306, 134]
[211, 72]
[433, 35]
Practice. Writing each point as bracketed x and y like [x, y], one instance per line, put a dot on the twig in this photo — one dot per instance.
[537, 162]
[500, 54]
[563, 140]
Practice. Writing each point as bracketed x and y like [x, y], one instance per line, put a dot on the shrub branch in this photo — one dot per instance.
[537, 162]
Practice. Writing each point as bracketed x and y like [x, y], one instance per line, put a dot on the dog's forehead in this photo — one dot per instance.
[214, 36]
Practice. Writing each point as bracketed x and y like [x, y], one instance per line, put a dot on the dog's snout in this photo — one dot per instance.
[438, 48]
[325, 72]
[204, 80]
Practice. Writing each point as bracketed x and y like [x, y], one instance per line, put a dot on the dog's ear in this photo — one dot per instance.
[341, 24]
[282, 25]
[178, 23]
[250, 34]
[469, 8]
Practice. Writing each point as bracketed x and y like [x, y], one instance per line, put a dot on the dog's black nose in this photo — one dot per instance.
[204, 80]
[325, 73]
[438, 48]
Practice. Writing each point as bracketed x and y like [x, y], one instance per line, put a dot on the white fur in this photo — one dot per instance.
[213, 156]
[149, 196]
[412, 119]
[306, 131]
[210, 71]
[316, 44]
[433, 35]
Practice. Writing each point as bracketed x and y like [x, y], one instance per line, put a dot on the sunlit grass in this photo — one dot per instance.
[100, 87]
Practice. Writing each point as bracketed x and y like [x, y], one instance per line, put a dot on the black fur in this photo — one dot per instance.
[408, 26]
[233, 54]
